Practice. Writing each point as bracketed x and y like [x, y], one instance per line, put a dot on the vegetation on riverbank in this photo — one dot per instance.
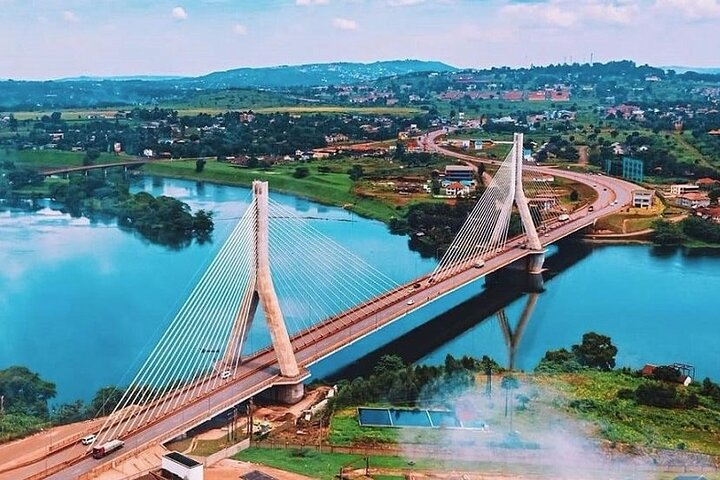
[692, 231]
[163, 220]
[25, 410]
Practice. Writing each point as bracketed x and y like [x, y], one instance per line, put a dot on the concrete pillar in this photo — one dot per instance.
[521, 199]
[265, 288]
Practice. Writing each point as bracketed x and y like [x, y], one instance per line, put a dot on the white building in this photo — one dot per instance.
[184, 467]
[642, 198]
[692, 200]
[682, 189]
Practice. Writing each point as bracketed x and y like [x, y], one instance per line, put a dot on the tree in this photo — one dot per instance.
[199, 165]
[595, 351]
[301, 172]
[91, 156]
[25, 392]
[574, 196]
[389, 364]
[356, 172]
[668, 233]
[104, 401]
[399, 150]
[714, 194]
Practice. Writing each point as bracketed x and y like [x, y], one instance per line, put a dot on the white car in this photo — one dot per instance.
[225, 374]
[88, 439]
[411, 302]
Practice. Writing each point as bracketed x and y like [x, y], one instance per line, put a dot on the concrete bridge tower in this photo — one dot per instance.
[536, 259]
[263, 292]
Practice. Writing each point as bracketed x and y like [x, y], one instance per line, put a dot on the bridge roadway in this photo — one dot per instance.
[260, 371]
[85, 168]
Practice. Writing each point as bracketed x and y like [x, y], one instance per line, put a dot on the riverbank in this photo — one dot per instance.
[333, 187]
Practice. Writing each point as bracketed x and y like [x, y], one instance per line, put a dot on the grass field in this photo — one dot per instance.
[46, 159]
[625, 421]
[334, 188]
[192, 109]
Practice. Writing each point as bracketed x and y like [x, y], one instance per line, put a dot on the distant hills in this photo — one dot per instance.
[316, 74]
[681, 69]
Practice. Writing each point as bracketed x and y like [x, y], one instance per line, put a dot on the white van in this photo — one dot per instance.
[87, 440]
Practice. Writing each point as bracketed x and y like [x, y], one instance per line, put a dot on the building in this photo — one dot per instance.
[709, 213]
[456, 173]
[692, 200]
[180, 466]
[682, 189]
[455, 189]
[707, 183]
[642, 198]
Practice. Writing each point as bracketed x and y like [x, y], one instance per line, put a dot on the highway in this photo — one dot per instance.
[260, 371]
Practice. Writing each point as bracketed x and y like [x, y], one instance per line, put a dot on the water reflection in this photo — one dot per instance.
[430, 341]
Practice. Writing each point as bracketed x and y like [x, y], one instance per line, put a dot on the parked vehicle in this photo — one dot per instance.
[107, 448]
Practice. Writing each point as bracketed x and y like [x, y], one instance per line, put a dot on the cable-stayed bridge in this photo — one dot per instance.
[200, 367]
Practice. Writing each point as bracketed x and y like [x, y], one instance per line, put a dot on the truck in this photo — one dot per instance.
[107, 448]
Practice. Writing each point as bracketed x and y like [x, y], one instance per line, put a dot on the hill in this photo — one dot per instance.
[316, 74]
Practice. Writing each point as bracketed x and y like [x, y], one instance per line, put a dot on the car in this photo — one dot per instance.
[523, 246]
[546, 235]
[591, 208]
[225, 374]
[411, 302]
[417, 285]
[594, 185]
[87, 439]
[479, 264]
[604, 189]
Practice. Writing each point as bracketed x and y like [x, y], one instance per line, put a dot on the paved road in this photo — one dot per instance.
[260, 371]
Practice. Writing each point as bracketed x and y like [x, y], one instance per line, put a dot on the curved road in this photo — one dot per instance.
[609, 189]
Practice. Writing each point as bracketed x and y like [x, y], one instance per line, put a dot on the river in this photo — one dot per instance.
[81, 303]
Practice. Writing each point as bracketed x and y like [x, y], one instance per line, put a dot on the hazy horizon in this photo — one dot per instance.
[50, 39]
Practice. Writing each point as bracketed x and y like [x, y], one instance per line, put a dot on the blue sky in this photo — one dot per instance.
[43, 39]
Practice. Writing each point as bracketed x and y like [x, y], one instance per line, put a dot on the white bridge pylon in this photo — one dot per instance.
[485, 231]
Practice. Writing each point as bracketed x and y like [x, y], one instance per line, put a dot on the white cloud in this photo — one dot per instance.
[70, 16]
[569, 13]
[179, 13]
[690, 9]
[344, 24]
[404, 3]
[309, 3]
[239, 29]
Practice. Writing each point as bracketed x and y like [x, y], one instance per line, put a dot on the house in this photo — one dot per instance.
[709, 213]
[538, 96]
[706, 183]
[512, 95]
[692, 200]
[455, 189]
[682, 189]
[642, 198]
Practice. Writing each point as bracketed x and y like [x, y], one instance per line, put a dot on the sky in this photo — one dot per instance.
[46, 39]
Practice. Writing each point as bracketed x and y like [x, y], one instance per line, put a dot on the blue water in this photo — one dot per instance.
[658, 307]
[82, 303]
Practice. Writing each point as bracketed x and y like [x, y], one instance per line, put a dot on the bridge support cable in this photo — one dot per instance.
[543, 199]
[185, 351]
[339, 280]
[485, 229]
[192, 362]
[201, 350]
